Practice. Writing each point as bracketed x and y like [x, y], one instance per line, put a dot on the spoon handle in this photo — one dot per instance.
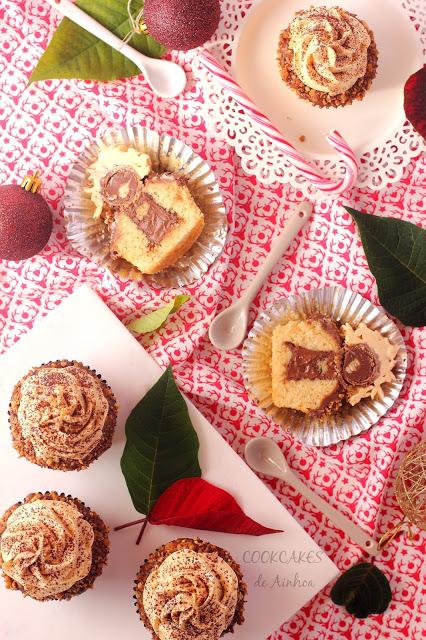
[296, 221]
[342, 522]
[80, 17]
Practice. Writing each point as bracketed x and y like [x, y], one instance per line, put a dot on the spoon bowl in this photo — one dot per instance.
[167, 79]
[265, 456]
[229, 328]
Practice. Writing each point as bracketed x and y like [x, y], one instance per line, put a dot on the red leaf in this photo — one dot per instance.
[197, 504]
[415, 100]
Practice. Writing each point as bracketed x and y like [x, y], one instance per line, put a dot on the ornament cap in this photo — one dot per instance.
[32, 182]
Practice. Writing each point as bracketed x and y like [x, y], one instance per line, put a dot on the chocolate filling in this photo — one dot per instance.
[333, 398]
[329, 327]
[120, 186]
[309, 364]
[156, 222]
[360, 365]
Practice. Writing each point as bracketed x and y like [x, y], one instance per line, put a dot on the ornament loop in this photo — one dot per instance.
[137, 23]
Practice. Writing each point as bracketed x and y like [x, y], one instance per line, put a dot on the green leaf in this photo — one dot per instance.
[162, 445]
[154, 320]
[362, 590]
[396, 255]
[73, 52]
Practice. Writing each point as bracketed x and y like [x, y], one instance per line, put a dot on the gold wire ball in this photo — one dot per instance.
[410, 487]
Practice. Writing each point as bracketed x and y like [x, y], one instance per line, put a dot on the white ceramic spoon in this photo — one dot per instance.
[165, 78]
[229, 328]
[265, 456]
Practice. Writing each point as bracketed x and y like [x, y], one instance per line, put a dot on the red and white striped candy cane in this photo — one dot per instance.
[331, 187]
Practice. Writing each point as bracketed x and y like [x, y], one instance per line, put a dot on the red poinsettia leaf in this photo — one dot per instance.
[415, 100]
[196, 504]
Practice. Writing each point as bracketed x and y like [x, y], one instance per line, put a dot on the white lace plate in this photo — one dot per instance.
[375, 127]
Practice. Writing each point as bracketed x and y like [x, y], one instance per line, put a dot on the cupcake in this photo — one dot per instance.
[152, 219]
[62, 415]
[52, 547]
[328, 56]
[306, 366]
[190, 589]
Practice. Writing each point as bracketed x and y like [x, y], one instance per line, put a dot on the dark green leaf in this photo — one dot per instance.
[152, 321]
[396, 255]
[363, 590]
[162, 445]
[73, 52]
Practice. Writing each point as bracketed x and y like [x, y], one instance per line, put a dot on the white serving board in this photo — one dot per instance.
[83, 328]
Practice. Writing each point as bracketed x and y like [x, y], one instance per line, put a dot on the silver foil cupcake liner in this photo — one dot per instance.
[89, 236]
[343, 306]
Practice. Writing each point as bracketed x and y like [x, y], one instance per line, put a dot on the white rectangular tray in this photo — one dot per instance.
[282, 571]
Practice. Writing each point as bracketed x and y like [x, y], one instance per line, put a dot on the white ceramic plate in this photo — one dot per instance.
[370, 122]
[85, 329]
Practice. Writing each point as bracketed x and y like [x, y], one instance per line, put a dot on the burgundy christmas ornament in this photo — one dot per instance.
[181, 24]
[415, 100]
[25, 220]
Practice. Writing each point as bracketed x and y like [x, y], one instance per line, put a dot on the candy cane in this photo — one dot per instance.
[331, 187]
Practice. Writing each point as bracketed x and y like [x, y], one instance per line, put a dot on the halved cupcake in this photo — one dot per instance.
[151, 218]
[52, 547]
[159, 226]
[328, 56]
[190, 589]
[62, 415]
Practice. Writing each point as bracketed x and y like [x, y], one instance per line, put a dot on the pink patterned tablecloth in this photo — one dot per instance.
[46, 126]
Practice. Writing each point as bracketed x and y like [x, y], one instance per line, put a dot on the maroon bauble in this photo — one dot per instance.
[181, 24]
[415, 100]
[25, 223]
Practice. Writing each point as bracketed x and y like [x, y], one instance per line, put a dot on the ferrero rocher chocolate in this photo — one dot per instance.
[120, 186]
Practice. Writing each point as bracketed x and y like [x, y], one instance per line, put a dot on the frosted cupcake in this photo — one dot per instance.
[52, 547]
[328, 56]
[190, 589]
[62, 415]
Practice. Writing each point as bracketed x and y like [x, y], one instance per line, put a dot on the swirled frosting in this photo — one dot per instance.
[46, 547]
[329, 49]
[191, 595]
[62, 412]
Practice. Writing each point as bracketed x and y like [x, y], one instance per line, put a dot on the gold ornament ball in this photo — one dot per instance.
[410, 487]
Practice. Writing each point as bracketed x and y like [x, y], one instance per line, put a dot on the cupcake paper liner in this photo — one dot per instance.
[89, 236]
[343, 306]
